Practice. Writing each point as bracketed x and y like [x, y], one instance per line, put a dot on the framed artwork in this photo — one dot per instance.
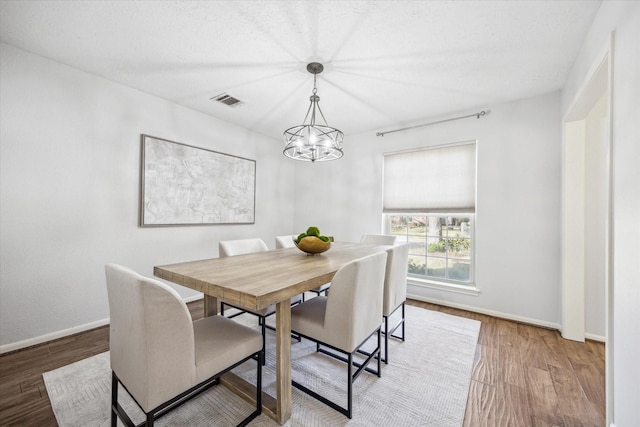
[185, 185]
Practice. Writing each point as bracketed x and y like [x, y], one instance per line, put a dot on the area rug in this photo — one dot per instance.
[426, 383]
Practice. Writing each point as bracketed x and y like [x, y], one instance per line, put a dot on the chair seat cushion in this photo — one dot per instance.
[221, 342]
[308, 318]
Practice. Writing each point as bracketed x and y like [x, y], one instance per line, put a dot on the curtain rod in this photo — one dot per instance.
[476, 115]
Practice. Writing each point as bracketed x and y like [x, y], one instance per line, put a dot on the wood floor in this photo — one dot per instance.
[526, 376]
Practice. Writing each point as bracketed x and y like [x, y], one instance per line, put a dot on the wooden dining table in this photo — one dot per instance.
[256, 281]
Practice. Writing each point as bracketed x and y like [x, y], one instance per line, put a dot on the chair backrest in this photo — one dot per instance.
[378, 239]
[284, 242]
[151, 337]
[241, 247]
[354, 304]
[395, 280]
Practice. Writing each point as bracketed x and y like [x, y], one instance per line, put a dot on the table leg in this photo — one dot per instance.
[283, 361]
[210, 305]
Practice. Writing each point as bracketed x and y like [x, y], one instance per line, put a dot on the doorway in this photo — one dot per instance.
[587, 212]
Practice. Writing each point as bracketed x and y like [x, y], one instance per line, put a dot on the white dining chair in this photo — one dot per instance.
[372, 239]
[287, 242]
[241, 247]
[395, 294]
[228, 248]
[345, 319]
[160, 356]
[378, 239]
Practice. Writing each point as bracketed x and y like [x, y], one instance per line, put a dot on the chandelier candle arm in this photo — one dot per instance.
[309, 141]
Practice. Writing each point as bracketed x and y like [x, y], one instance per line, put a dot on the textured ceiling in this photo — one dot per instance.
[387, 63]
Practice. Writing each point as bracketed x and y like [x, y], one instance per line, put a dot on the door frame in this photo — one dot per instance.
[599, 81]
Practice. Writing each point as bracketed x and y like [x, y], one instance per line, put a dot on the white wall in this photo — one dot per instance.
[624, 329]
[70, 162]
[518, 202]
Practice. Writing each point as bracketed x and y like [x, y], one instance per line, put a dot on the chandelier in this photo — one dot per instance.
[309, 141]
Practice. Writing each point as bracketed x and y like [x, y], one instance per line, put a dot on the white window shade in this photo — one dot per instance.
[441, 179]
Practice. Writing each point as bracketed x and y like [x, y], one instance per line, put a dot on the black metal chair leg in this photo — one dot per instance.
[117, 412]
[388, 333]
[264, 340]
[114, 399]
[400, 324]
[349, 386]
[380, 354]
[403, 322]
[261, 362]
[351, 376]
[386, 340]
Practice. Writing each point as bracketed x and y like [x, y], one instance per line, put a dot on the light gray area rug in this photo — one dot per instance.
[425, 384]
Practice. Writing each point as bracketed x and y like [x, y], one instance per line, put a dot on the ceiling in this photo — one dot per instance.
[387, 63]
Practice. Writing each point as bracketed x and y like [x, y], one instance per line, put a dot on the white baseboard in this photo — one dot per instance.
[493, 313]
[594, 337]
[71, 331]
[53, 336]
[66, 332]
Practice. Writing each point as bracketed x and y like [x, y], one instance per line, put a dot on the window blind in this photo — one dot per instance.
[440, 179]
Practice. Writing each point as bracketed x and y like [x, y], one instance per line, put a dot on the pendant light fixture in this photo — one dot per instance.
[309, 141]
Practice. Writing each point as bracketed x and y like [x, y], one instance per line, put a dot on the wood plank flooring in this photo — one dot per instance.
[525, 375]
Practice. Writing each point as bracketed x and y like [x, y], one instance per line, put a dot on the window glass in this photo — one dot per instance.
[439, 246]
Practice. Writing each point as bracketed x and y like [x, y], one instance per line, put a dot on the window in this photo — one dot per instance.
[439, 246]
[429, 203]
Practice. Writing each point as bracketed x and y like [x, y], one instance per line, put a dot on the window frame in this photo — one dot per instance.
[434, 281]
[431, 282]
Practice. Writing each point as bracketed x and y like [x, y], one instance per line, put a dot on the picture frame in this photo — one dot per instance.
[183, 185]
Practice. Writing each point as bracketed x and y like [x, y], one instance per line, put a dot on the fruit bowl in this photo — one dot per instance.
[312, 245]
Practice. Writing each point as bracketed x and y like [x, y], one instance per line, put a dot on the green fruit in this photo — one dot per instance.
[324, 238]
[300, 237]
[313, 231]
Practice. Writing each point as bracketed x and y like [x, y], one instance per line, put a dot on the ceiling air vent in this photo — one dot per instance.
[227, 99]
